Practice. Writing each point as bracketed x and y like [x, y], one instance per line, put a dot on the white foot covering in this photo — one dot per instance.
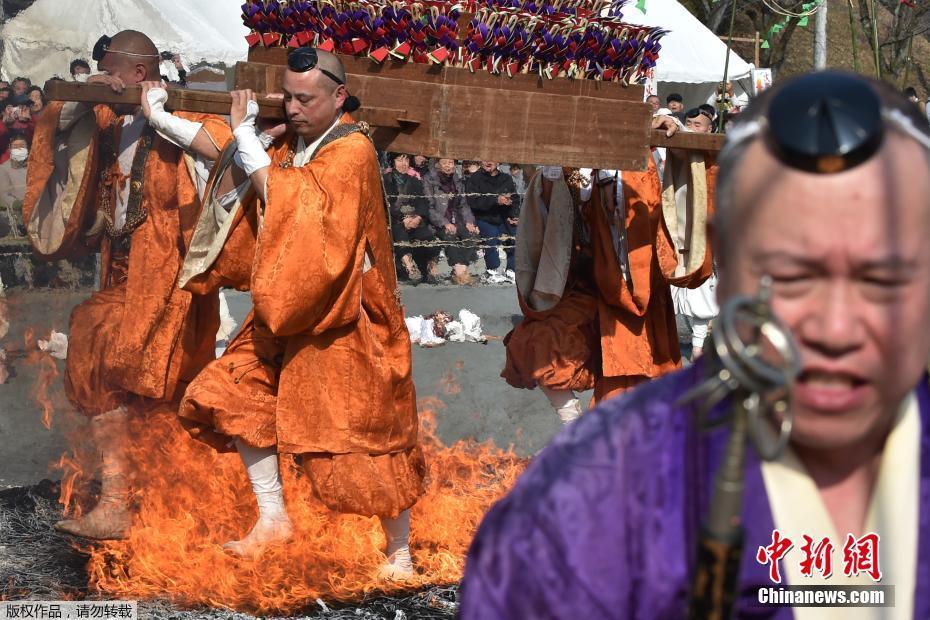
[565, 403]
[264, 533]
[570, 412]
[399, 565]
[273, 525]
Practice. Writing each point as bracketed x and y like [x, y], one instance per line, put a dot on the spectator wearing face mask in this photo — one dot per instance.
[16, 118]
[13, 184]
[80, 70]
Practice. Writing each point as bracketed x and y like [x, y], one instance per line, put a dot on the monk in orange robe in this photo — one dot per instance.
[594, 263]
[322, 366]
[125, 183]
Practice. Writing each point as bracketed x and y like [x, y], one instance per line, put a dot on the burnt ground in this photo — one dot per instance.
[38, 563]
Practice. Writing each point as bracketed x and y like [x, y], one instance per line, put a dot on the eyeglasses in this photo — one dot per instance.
[102, 48]
[304, 59]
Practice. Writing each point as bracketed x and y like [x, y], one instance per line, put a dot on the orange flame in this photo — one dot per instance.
[46, 373]
[78, 465]
[190, 500]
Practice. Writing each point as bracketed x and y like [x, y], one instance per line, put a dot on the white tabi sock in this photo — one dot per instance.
[273, 525]
[262, 467]
[397, 533]
[565, 403]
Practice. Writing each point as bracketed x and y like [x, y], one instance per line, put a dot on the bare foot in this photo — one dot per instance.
[265, 532]
[109, 520]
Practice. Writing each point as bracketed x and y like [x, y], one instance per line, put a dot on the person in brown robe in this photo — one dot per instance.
[125, 183]
[322, 365]
[595, 260]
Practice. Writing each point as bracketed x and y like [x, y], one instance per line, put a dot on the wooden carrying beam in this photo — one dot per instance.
[440, 111]
[577, 122]
[468, 115]
[179, 99]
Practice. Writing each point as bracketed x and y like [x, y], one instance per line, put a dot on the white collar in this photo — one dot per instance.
[304, 151]
[893, 513]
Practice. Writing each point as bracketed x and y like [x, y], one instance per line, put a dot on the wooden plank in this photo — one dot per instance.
[464, 121]
[181, 99]
[710, 142]
[277, 56]
[205, 102]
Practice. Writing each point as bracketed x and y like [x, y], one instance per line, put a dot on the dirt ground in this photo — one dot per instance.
[477, 403]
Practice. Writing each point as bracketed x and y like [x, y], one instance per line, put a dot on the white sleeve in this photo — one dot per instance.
[71, 111]
[224, 203]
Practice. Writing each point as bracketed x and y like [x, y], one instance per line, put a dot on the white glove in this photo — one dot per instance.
[266, 140]
[552, 172]
[252, 155]
[179, 130]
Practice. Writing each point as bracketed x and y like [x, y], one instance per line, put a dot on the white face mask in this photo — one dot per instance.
[19, 154]
[81, 77]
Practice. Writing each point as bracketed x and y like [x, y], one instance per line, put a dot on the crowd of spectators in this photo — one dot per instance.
[440, 208]
[463, 210]
[707, 112]
[21, 104]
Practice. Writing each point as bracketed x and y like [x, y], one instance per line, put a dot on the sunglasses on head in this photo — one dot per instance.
[304, 59]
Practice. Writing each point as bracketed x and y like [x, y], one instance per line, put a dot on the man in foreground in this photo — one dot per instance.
[126, 183]
[322, 367]
[605, 522]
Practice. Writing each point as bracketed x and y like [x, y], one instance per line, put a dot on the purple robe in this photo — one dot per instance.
[604, 522]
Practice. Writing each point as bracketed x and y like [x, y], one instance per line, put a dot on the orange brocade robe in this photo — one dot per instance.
[596, 328]
[139, 339]
[322, 367]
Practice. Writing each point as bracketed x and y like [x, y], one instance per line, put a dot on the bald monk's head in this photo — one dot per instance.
[132, 57]
[823, 186]
[314, 91]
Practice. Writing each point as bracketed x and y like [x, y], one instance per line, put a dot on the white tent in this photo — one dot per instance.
[42, 40]
[692, 57]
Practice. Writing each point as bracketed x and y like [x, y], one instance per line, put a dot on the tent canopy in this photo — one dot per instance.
[691, 53]
[692, 57]
[42, 40]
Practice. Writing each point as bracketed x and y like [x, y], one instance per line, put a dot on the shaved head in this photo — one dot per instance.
[313, 100]
[134, 42]
[849, 263]
[132, 56]
[330, 62]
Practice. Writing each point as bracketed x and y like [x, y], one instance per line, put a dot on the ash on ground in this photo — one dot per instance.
[39, 563]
